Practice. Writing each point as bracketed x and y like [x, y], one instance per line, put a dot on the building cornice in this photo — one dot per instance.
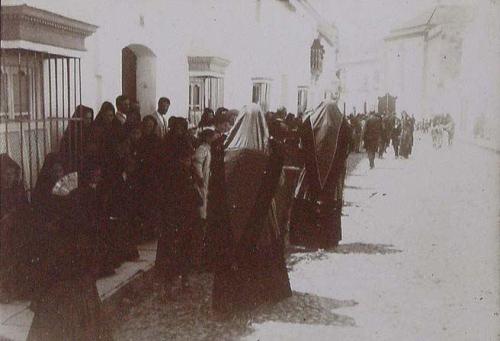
[262, 80]
[208, 64]
[28, 23]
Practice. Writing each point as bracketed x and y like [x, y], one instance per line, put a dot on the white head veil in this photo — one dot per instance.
[245, 160]
[250, 130]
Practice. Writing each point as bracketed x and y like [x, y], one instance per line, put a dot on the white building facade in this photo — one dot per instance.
[272, 46]
[199, 54]
[422, 61]
[361, 82]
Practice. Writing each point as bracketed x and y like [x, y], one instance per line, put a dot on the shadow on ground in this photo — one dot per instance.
[358, 188]
[364, 248]
[143, 316]
[190, 317]
[298, 254]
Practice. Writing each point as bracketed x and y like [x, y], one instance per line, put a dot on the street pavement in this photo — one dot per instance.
[419, 260]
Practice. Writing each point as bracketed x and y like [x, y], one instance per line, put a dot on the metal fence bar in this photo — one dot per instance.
[69, 125]
[42, 93]
[80, 97]
[6, 118]
[57, 100]
[34, 87]
[30, 163]
[75, 127]
[62, 100]
[7, 136]
[50, 95]
[20, 109]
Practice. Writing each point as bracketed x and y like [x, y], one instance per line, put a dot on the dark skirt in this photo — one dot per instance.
[259, 277]
[174, 254]
[69, 310]
[313, 226]
[20, 247]
[405, 147]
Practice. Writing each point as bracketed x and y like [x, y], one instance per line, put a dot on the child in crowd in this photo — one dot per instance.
[201, 160]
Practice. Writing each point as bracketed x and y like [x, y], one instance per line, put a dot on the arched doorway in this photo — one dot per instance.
[139, 76]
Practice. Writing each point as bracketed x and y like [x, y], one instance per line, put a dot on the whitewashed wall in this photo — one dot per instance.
[274, 44]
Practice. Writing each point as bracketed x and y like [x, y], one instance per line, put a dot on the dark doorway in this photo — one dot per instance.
[129, 74]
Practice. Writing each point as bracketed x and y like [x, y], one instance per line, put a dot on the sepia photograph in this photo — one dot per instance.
[250, 170]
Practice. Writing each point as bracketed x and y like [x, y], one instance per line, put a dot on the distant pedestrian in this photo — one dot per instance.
[407, 135]
[372, 136]
[449, 128]
[396, 136]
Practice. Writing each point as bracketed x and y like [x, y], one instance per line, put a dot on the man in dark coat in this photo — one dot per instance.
[316, 214]
[373, 131]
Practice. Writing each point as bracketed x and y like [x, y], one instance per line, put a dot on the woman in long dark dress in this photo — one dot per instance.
[316, 213]
[47, 209]
[68, 306]
[250, 269]
[15, 233]
[406, 136]
[74, 142]
[122, 209]
[54, 167]
[180, 205]
[149, 166]
[105, 136]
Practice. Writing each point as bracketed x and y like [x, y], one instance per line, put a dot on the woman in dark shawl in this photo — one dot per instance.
[75, 140]
[68, 306]
[149, 166]
[54, 168]
[15, 232]
[47, 207]
[180, 206]
[316, 214]
[106, 133]
[13, 193]
[251, 267]
[206, 120]
[406, 136]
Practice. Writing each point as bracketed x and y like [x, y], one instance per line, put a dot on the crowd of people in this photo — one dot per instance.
[441, 127]
[375, 132]
[219, 197]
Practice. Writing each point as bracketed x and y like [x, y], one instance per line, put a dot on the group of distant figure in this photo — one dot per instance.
[441, 128]
[376, 131]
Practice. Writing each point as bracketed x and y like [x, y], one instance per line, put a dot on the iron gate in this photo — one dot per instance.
[40, 93]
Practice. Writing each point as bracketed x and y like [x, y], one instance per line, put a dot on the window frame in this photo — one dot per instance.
[263, 86]
[11, 73]
[302, 98]
[210, 94]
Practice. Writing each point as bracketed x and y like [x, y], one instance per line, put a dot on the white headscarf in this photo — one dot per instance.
[246, 157]
[250, 130]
